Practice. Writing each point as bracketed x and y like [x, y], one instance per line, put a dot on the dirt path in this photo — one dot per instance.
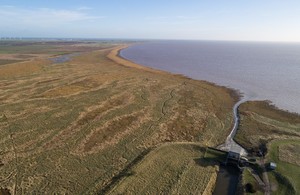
[256, 176]
[265, 178]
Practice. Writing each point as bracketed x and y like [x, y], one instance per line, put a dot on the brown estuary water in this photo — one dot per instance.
[259, 70]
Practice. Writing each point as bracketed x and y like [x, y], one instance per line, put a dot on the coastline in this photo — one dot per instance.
[265, 109]
[116, 56]
[134, 107]
[263, 106]
[111, 113]
[234, 94]
[114, 113]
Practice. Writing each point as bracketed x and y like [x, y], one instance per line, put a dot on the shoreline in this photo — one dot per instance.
[238, 98]
[116, 56]
[235, 94]
[112, 113]
[231, 139]
[115, 111]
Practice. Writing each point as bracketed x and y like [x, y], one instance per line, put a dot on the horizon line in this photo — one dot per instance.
[7, 38]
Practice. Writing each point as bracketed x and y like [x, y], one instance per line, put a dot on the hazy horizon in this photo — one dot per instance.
[270, 21]
[139, 39]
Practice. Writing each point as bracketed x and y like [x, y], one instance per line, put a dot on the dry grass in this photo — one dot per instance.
[290, 153]
[80, 126]
[23, 57]
[176, 168]
[265, 109]
[74, 127]
[22, 68]
[261, 123]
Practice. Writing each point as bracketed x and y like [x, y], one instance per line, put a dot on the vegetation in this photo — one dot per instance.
[100, 124]
[23, 47]
[250, 184]
[277, 134]
[215, 155]
[176, 168]
[288, 153]
[26, 50]
[261, 123]
[82, 125]
[6, 61]
[286, 176]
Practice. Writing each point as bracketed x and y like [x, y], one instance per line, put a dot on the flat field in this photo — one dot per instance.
[77, 127]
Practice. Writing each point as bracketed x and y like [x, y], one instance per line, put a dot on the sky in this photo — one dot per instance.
[247, 20]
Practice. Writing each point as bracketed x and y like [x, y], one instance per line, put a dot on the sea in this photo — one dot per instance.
[258, 70]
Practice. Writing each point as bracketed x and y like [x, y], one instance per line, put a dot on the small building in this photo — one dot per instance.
[272, 166]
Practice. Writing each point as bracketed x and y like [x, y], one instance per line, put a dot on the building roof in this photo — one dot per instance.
[272, 164]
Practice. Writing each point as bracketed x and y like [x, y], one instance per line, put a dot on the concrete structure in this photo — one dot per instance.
[235, 152]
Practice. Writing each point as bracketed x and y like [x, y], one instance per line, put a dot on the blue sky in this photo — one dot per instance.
[250, 20]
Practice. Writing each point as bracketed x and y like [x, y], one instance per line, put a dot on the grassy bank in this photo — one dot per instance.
[277, 134]
[260, 123]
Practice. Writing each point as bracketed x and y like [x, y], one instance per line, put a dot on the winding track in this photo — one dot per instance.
[230, 144]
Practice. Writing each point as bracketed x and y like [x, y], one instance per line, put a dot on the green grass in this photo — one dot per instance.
[4, 62]
[281, 184]
[247, 177]
[286, 174]
[25, 47]
[215, 155]
[50, 47]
